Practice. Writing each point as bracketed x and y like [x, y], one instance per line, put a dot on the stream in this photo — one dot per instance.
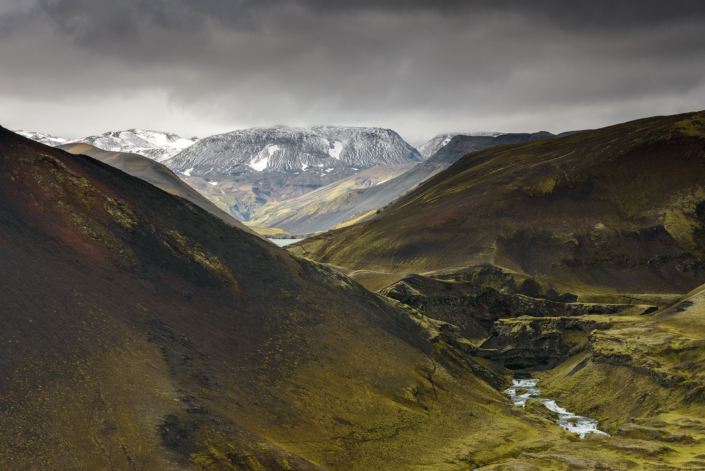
[569, 421]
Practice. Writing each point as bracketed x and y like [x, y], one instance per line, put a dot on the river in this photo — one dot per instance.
[569, 421]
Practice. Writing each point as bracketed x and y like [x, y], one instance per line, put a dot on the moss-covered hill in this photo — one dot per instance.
[615, 210]
[139, 331]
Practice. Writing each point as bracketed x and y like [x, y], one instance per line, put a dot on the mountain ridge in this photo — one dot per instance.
[288, 149]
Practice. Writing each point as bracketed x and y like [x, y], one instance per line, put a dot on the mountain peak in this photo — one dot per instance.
[293, 149]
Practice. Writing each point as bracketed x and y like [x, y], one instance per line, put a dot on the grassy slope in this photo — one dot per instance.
[141, 332]
[607, 211]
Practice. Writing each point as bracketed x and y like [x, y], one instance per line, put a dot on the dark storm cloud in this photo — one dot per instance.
[419, 67]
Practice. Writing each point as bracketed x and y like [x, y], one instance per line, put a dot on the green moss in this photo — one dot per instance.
[206, 260]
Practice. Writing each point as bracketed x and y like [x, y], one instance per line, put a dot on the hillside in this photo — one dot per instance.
[142, 332]
[319, 209]
[615, 210]
[154, 173]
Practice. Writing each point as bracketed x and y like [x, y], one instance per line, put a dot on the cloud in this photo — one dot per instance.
[418, 67]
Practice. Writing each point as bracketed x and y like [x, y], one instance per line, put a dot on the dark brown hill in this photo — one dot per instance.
[142, 332]
[614, 210]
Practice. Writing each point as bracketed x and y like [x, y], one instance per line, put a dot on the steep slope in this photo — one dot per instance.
[154, 173]
[327, 214]
[156, 145]
[142, 332]
[615, 210]
[285, 149]
[438, 141]
[319, 209]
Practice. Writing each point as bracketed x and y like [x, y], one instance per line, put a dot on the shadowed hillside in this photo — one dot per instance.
[142, 332]
[615, 210]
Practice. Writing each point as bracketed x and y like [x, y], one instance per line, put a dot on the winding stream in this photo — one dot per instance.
[569, 421]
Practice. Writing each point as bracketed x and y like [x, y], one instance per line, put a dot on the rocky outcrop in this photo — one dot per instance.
[536, 407]
[475, 309]
[537, 343]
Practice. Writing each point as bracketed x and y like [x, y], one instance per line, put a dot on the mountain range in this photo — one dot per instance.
[142, 332]
[156, 145]
[293, 150]
[306, 214]
[536, 305]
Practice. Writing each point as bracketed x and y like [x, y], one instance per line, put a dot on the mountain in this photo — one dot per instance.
[254, 167]
[597, 214]
[437, 142]
[292, 150]
[154, 173]
[142, 332]
[46, 139]
[156, 145]
[300, 216]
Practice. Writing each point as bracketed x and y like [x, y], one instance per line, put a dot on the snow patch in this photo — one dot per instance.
[188, 172]
[261, 161]
[272, 149]
[336, 150]
[379, 183]
[329, 170]
[213, 183]
[259, 165]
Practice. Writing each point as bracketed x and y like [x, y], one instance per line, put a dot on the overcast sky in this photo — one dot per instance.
[81, 67]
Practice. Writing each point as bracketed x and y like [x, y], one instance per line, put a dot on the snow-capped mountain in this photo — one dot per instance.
[156, 145]
[46, 139]
[434, 145]
[293, 150]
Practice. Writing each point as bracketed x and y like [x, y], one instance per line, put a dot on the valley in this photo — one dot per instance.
[535, 305]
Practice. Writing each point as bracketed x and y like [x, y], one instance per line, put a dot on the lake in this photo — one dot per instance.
[283, 242]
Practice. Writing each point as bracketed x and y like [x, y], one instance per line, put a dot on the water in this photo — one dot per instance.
[283, 242]
[580, 425]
